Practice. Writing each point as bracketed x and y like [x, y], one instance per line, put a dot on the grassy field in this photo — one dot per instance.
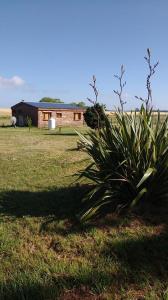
[5, 115]
[5, 111]
[45, 253]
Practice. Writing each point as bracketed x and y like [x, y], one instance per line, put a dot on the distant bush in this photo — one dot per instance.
[51, 100]
[95, 116]
[79, 104]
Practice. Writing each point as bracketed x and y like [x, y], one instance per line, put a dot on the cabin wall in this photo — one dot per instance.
[66, 118]
[22, 111]
[63, 117]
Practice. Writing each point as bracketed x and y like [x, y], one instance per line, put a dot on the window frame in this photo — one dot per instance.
[79, 116]
[58, 115]
[46, 113]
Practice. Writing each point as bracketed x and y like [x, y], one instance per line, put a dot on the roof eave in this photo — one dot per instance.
[22, 102]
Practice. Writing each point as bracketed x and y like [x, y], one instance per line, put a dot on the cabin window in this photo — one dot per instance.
[46, 116]
[59, 115]
[77, 116]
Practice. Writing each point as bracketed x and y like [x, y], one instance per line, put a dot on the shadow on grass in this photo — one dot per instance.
[6, 126]
[60, 202]
[59, 286]
[72, 149]
[142, 259]
[64, 133]
[19, 291]
[64, 204]
[61, 133]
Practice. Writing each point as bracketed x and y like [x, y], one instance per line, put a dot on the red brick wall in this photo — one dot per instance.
[67, 118]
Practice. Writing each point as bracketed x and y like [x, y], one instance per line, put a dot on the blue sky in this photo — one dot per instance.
[53, 47]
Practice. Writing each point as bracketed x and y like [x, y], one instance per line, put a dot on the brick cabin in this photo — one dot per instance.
[41, 112]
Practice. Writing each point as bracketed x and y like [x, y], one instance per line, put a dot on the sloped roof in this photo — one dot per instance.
[48, 105]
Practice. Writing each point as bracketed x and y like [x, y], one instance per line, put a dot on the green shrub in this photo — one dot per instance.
[129, 162]
[95, 116]
[29, 122]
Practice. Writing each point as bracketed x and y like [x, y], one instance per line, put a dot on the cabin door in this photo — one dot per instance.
[20, 120]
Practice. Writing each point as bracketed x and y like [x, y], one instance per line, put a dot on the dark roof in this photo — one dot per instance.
[48, 105]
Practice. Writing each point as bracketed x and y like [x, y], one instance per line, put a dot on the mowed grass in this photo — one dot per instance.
[45, 253]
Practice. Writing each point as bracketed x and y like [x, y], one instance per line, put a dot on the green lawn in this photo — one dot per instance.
[45, 253]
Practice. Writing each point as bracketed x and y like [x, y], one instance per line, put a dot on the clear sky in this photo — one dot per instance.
[53, 47]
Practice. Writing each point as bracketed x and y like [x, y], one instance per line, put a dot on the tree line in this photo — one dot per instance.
[57, 100]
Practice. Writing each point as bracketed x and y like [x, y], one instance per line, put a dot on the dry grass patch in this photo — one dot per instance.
[5, 115]
[5, 112]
